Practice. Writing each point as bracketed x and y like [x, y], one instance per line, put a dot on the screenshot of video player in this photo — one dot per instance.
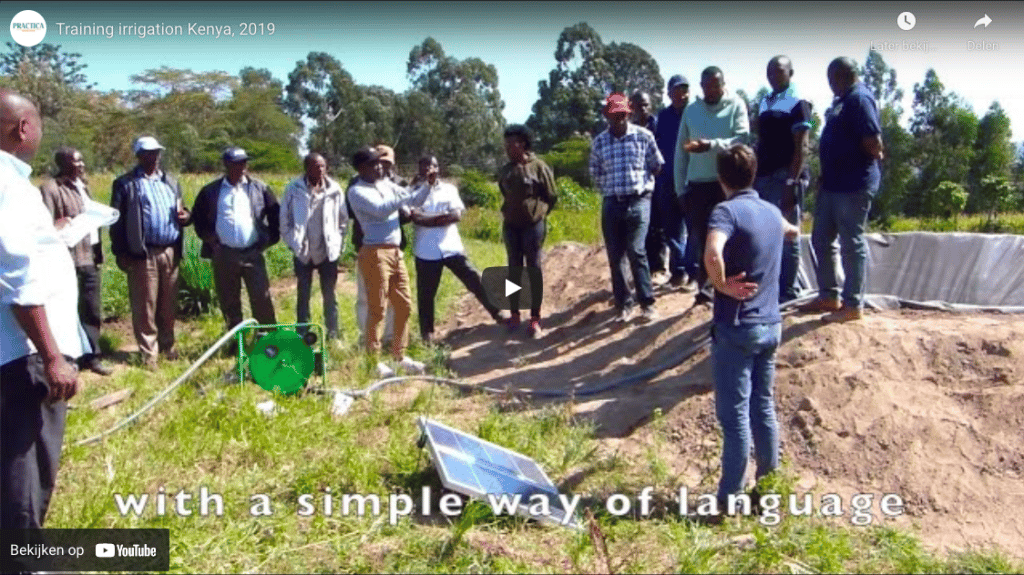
[511, 286]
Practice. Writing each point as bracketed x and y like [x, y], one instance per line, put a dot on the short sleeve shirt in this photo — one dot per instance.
[845, 166]
[754, 245]
[625, 166]
[779, 116]
[439, 242]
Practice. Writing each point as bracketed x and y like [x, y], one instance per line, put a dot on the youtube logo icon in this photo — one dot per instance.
[508, 287]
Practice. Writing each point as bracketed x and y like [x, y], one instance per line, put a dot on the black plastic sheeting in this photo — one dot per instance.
[924, 270]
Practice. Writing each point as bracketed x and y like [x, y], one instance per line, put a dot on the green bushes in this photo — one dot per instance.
[571, 158]
[477, 190]
[572, 196]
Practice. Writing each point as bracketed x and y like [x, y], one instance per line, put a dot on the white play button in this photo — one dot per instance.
[511, 288]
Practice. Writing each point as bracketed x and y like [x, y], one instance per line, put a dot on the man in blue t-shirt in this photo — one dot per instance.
[783, 124]
[742, 257]
[850, 147]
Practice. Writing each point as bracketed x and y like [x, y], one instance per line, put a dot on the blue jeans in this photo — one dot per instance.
[772, 188]
[844, 215]
[670, 216]
[743, 362]
[624, 224]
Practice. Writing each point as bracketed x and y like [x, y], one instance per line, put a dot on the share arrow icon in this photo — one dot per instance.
[983, 21]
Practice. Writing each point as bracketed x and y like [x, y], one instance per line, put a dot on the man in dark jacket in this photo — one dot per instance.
[528, 187]
[66, 196]
[147, 244]
[238, 217]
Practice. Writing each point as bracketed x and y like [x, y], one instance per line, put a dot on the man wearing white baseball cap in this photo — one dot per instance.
[147, 243]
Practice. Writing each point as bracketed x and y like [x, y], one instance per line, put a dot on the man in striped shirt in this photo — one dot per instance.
[147, 243]
[624, 161]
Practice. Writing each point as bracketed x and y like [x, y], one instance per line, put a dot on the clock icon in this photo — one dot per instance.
[906, 21]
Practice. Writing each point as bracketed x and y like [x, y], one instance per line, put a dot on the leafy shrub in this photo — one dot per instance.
[478, 190]
[196, 292]
[947, 200]
[572, 196]
[571, 158]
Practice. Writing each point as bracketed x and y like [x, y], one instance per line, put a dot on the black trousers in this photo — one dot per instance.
[428, 278]
[701, 199]
[90, 310]
[31, 434]
[523, 246]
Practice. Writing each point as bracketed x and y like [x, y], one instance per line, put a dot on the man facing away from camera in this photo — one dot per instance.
[742, 257]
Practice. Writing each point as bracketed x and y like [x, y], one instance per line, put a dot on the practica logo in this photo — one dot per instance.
[28, 28]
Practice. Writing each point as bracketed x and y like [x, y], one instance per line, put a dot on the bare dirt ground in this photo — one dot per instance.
[927, 405]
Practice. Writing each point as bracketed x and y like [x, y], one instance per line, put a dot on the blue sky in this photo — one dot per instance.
[373, 40]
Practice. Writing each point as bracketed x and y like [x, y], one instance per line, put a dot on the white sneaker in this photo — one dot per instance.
[659, 279]
[649, 314]
[384, 370]
[411, 366]
[624, 315]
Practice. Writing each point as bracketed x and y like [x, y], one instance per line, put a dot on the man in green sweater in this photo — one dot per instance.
[709, 125]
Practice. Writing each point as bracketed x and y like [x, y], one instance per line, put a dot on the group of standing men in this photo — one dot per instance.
[739, 211]
[48, 292]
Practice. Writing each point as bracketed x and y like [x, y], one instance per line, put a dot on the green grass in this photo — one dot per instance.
[209, 434]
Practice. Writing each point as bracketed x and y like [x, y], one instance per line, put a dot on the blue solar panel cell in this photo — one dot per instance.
[460, 472]
[444, 437]
[529, 470]
[479, 468]
[472, 446]
[496, 482]
[500, 458]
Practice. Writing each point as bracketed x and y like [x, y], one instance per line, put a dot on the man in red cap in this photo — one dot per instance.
[624, 161]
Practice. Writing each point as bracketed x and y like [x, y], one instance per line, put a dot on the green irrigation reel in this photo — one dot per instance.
[281, 357]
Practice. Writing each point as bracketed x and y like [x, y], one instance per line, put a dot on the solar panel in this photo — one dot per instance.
[478, 468]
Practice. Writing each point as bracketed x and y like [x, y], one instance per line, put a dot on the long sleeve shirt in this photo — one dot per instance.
[376, 208]
[724, 124]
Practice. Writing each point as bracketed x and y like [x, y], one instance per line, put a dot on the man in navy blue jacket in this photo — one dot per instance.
[666, 202]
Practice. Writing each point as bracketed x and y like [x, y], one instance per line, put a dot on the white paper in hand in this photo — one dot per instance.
[95, 216]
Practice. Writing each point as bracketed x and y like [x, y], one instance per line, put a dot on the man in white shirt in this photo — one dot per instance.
[238, 218]
[40, 334]
[314, 219]
[438, 245]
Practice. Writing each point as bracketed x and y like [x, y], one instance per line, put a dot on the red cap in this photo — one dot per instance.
[617, 103]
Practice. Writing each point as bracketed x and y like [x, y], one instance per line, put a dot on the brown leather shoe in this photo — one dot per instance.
[820, 305]
[844, 314]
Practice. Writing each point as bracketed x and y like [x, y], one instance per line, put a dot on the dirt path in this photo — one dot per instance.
[927, 405]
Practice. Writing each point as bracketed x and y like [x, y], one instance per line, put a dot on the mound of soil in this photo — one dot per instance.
[926, 405]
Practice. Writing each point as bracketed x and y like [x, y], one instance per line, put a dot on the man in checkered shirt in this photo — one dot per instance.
[624, 160]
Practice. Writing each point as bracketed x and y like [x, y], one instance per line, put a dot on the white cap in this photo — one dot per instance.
[146, 143]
